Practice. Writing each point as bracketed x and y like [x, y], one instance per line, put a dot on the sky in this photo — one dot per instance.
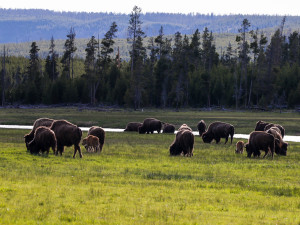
[219, 7]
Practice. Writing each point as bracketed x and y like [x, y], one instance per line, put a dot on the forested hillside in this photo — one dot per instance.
[251, 68]
[33, 25]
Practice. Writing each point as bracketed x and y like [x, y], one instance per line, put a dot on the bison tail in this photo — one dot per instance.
[79, 131]
[231, 132]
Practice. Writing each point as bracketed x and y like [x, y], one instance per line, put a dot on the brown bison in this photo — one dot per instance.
[280, 145]
[201, 127]
[168, 128]
[239, 147]
[67, 134]
[43, 140]
[218, 130]
[184, 127]
[271, 125]
[39, 122]
[150, 125]
[260, 140]
[183, 143]
[133, 126]
[260, 125]
[98, 132]
[91, 143]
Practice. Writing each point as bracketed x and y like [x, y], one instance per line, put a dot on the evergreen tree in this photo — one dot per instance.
[51, 62]
[68, 56]
[137, 53]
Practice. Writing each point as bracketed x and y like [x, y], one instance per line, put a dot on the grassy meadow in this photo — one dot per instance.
[135, 181]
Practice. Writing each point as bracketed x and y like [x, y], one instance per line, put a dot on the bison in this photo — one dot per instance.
[150, 125]
[183, 143]
[260, 140]
[43, 140]
[91, 143]
[133, 126]
[280, 145]
[98, 132]
[46, 122]
[168, 128]
[201, 127]
[271, 125]
[239, 147]
[260, 125]
[184, 127]
[218, 130]
[67, 134]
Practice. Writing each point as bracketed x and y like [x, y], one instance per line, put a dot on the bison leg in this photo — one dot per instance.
[101, 146]
[231, 137]
[77, 148]
[226, 140]
[60, 149]
[218, 140]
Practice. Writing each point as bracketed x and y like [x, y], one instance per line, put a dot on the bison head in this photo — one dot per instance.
[142, 130]
[33, 148]
[207, 138]
[248, 150]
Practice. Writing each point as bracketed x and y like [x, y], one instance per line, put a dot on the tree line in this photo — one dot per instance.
[183, 72]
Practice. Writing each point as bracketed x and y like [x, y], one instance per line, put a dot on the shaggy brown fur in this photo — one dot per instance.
[239, 147]
[44, 138]
[183, 143]
[282, 130]
[39, 122]
[280, 145]
[201, 127]
[98, 132]
[184, 127]
[133, 126]
[150, 125]
[260, 125]
[91, 143]
[218, 130]
[67, 134]
[168, 128]
[260, 140]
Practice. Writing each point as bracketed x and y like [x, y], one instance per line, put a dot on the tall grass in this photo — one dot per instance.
[135, 181]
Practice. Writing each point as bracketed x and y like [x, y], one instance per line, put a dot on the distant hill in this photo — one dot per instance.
[21, 25]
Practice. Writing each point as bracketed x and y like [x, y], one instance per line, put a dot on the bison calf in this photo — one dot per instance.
[67, 134]
[99, 133]
[91, 143]
[218, 130]
[183, 143]
[43, 140]
[239, 147]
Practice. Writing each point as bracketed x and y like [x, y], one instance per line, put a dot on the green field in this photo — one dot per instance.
[135, 181]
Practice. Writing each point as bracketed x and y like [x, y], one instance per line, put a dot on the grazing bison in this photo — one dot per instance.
[280, 145]
[133, 126]
[184, 127]
[98, 132]
[91, 143]
[271, 125]
[218, 130]
[239, 147]
[260, 140]
[201, 127]
[150, 125]
[43, 140]
[39, 122]
[168, 128]
[67, 134]
[260, 125]
[183, 143]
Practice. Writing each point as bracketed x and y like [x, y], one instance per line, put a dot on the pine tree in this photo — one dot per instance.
[51, 61]
[68, 56]
[137, 54]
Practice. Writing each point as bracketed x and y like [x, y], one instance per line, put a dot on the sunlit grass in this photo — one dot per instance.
[135, 181]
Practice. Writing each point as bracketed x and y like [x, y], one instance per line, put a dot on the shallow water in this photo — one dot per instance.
[242, 136]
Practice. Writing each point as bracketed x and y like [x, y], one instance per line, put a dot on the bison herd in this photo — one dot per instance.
[56, 134]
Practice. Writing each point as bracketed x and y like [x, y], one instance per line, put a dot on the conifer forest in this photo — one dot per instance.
[257, 69]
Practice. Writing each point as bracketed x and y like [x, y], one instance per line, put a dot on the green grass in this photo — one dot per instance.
[244, 122]
[135, 181]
